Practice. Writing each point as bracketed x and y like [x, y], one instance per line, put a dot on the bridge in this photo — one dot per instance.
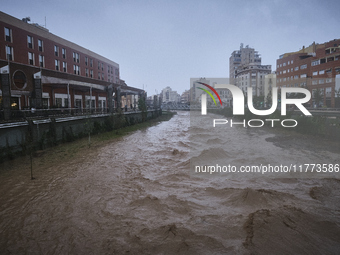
[175, 106]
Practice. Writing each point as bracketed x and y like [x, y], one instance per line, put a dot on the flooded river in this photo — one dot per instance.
[139, 195]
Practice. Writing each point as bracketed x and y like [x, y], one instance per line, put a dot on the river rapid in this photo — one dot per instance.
[140, 195]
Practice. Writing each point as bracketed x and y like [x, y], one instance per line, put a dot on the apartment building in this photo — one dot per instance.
[245, 70]
[315, 68]
[168, 95]
[41, 70]
[243, 56]
[196, 91]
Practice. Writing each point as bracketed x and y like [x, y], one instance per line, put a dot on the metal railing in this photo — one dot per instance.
[19, 115]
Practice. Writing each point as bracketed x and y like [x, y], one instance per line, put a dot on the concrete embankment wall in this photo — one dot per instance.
[20, 137]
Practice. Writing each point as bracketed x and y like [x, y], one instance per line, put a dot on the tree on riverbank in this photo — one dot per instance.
[142, 108]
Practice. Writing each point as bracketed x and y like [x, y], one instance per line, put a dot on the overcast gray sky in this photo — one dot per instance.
[165, 43]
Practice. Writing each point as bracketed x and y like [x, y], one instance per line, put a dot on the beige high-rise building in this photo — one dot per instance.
[244, 56]
[245, 70]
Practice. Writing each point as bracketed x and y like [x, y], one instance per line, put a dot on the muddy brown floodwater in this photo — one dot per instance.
[138, 196]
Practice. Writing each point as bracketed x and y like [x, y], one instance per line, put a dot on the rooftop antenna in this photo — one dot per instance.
[45, 22]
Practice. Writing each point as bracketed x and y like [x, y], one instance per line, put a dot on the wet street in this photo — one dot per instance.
[138, 195]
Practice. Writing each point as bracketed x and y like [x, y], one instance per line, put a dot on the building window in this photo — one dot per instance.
[76, 69]
[314, 82]
[61, 100]
[56, 50]
[321, 81]
[315, 73]
[90, 103]
[303, 66]
[30, 58]
[91, 62]
[91, 73]
[303, 76]
[8, 34]
[63, 52]
[98, 65]
[328, 80]
[284, 64]
[296, 68]
[65, 67]
[56, 63]
[30, 42]
[40, 45]
[98, 76]
[316, 62]
[76, 57]
[66, 102]
[58, 102]
[41, 61]
[86, 72]
[86, 60]
[321, 71]
[78, 103]
[9, 52]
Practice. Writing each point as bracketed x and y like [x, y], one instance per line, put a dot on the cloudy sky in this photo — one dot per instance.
[165, 43]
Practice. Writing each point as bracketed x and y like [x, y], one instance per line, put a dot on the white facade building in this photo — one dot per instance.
[224, 94]
[169, 95]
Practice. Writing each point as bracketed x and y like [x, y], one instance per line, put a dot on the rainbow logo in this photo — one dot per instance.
[208, 86]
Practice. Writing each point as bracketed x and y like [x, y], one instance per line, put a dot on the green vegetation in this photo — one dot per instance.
[142, 108]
